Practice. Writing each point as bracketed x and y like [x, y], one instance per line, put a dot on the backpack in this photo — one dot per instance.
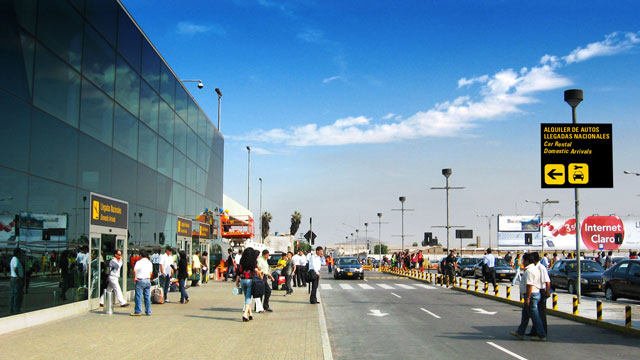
[257, 287]
[156, 296]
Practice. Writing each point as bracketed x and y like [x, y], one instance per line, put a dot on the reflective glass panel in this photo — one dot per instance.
[54, 149]
[181, 101]
[167, 85]
[14, 147]
[179, 194]
[192, 145]
[192, 120]
[17, 55]
[103, 15]
[26, 14]
[56, 87]
[165, 157]
[125, 132]
[123, 178]
[147, 185]
[201, 181]
[147, 147]
[163, 195]
[191, 174]
[149, 106]
[179, 167]
[203, 154]
[60, 28]
[202, 125]
[150, 65]
[96, 113]
[165, 127]
[94, 166]
[99, 61]
[129, 40]
[180, 136]
[127, 87]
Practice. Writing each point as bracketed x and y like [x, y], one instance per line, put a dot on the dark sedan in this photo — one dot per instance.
[348, 267]
[563, 275]
[465, 266]
[622, 280]
[504, 271]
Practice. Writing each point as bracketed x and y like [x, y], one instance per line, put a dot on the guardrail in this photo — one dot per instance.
[436, 279]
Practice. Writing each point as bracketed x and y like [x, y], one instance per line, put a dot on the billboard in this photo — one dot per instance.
[512, 230]
[596, 233]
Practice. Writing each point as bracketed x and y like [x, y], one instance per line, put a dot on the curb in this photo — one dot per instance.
[557, 313]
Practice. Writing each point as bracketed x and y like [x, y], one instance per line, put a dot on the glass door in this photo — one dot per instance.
[121, 245]
[95, 260]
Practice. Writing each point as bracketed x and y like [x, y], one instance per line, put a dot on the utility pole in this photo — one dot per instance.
[490, 219]
[380, 235]
[402, 209]
[447, 173]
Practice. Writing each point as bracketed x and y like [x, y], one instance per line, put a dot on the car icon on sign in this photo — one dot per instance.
[578, 175]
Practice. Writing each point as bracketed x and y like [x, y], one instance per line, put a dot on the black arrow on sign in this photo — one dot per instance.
[552, 174]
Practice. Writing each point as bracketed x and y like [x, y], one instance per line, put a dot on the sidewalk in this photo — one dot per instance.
[612, 311]
[208, 327]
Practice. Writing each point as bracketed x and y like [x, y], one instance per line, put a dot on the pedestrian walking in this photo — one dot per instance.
[545, 292]
[315, 263]
[205, 267]
[231, 266]
[450, 264]
[420, 258]
[196, 269]
[263, 266]
[490, 262]
[288, 272]
[16, 282]
[142, 280]
[182, 277]
[246, 271]
[530, 291]
[167, 268]
[66, 274]
[113, 279]
[299, 261]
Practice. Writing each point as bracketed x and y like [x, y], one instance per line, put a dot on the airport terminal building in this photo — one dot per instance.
[90, 109]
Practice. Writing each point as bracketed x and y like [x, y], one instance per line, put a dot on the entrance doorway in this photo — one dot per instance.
[101, 249]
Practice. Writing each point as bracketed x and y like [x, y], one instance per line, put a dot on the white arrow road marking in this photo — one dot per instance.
[385, 286]
[430, 313]
[346, 286]
[366, 286]
[506, 351]
[405, 286]
[428, 287]
[377, 313]
[325, 286]
[483, 311]
[365, 279]
[396, 295]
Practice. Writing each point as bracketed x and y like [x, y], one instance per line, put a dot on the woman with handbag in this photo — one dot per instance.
[182, 277]
[246, 272]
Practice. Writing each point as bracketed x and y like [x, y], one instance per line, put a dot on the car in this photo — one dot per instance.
[504, 271]
[622, 280]
[348, 267]
[578, 175]
[465, 266]
[563, 275]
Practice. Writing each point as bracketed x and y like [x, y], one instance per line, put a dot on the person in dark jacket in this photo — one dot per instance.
[182, 277]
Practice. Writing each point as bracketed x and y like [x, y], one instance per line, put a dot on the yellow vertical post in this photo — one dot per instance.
[599, 309]
[575, 305]
[554, 298]
[508, 292]
[627, 316]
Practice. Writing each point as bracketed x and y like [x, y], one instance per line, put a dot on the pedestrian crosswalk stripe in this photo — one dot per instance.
[325, 286]
[405, 286]
[346, 286]
[428, 287]
[385, 286]
[366, 286]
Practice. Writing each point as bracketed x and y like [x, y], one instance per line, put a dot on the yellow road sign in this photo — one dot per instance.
[578, 173]
[554, 174]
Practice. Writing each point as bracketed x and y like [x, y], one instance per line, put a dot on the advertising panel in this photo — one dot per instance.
[515, 240]
[518, 223]
[597, 233]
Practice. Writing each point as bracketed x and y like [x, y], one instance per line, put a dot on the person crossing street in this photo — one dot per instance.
[315, 263]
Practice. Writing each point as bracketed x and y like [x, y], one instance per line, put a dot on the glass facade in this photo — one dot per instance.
[88, 105]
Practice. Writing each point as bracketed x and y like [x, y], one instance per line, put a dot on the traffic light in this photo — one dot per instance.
[528, 239]
[618, 238]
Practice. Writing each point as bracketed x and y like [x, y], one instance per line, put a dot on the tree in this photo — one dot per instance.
[376, 249]
[296, 217]
[472, 245]
[265, 220]
[414, 244]
[303, 246]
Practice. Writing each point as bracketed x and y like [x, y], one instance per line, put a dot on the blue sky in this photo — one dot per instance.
[350, 104]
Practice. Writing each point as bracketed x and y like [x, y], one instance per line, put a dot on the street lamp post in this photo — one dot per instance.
[355, 248]
[261, 235]
[219, 101]
[542, 204]
[249, 179]
[351, 244]
[366, 236]
[490, 219]
[574, 97]
[447, 173]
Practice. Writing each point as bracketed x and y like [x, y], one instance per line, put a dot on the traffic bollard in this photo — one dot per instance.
[468, 282]
[599, 309]
[108, 302]
[496, 289]
[476, 286]
[447, 281]
[627, 316]
[575, 305]
[554, 298]
[508, 292]
[486, 288]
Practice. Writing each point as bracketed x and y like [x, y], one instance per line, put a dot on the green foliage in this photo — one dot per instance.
[377, 247]
[296, 217]
[266, 220]
[414, 244]
[303, 246]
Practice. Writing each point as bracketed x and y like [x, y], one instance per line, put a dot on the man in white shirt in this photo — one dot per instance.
[545, 292]
[297, 262]
[113, 280]
[16, 282]
[530, 291]
[490, 262]
[315, 263]
[166, 270]
[142, 279]
[263, 265]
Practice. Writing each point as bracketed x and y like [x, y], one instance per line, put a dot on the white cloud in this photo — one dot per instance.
[260, 151]
[612, 44]
[189, 28]
[330, 79]
[388, 116]
[500, 95]
[312, 36]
